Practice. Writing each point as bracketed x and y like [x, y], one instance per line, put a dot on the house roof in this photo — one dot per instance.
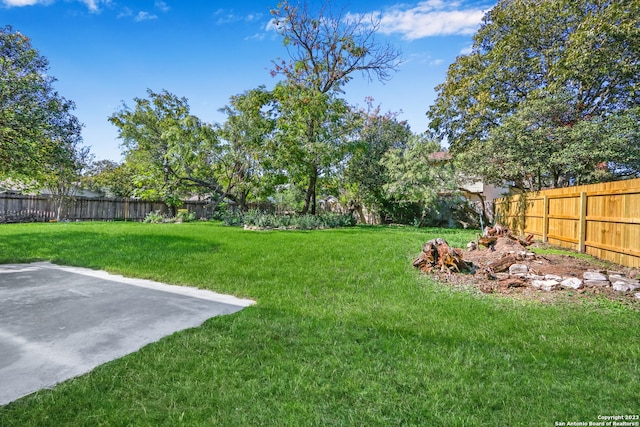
[440, 156]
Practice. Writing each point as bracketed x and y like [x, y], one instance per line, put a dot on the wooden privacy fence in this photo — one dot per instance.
[21, 208]
[602, 220]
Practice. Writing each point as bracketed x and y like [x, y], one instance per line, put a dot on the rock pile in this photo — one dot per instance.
[522, 275]
[506, 264]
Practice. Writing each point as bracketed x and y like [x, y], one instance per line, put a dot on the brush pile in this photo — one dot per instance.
[438, 255]
[491, 235]
[499, 261]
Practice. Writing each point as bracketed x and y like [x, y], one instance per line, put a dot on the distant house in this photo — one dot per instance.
[76, 192]
[11, 187]
[480, 195]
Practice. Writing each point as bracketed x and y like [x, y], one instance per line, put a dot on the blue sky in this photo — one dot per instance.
[104, 52]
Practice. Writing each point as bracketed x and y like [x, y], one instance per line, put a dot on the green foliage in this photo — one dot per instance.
[174, 153]
[246, 164]
[110, 178]
[39, 136]
[154, 218]
[184, 215]
[546, 143]
[365, 174]
[312, 126]
[531, 54]
[311, 136]
[415, 174]
[264, 220]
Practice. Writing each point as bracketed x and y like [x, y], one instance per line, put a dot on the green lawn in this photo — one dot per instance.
[345, 332]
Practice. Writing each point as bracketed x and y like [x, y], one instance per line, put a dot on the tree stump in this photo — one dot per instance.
[437, 254]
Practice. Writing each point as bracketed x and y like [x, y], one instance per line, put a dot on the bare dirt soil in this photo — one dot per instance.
[564, 266]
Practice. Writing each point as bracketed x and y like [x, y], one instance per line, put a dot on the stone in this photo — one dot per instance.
[518, 270]
[632, 283]
[637, 295]
[597, 283]
[534, 277]
[594, 275]
[621, 286]
[572, 282]
[553, 277]
[545, 285]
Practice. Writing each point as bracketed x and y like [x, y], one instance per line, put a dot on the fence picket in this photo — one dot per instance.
[602, 220]
[41, 208]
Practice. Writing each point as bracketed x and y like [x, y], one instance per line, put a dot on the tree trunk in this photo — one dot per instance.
[363, 219]
[310, 196]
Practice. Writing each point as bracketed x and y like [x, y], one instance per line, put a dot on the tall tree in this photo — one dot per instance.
[545, 144]
[417, 174]
[325, 50]
[528, 50]
[365, 174]
[245, 136]
[35, 121]
[177, 152]
[312, 136]
[62, 172]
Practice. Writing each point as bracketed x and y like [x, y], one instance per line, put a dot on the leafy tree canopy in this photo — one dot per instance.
[177, 151]
[365, 174]
[245, 163]
[586, 52]
[110, 178]
[326, 48]
[37, 129]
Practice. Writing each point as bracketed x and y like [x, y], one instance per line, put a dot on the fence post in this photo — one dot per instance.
[545, 219]
[583, 223]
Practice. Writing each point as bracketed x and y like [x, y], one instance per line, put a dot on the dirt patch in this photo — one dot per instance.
[509, 268]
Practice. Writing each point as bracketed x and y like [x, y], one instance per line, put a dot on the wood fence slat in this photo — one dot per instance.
[23, 208]
[600, 219]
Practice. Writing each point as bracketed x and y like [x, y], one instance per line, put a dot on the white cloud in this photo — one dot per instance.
[20, 3]
[228, 17]
[430, 18]
[145, 16]
[162, 6]
[466, 51]
[125, 12]
[92, 5]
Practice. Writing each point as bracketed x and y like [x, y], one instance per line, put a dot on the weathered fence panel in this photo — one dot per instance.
[22, 208]
[602, 220]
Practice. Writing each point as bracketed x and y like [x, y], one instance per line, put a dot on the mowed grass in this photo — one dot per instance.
[344, 332]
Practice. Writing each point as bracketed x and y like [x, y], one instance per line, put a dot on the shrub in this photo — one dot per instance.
[154, 218]
[232, 218]
[255, 218]
[185, 216]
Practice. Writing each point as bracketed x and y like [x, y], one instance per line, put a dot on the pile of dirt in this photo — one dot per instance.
[511, 266]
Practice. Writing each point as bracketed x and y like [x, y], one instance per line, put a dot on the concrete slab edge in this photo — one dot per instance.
[144, 283]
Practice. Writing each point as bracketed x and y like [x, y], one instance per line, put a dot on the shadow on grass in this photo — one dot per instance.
[98, 249]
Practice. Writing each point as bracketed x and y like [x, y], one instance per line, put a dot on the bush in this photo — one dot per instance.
[185, 216]
[255, 218]
[154, 218]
